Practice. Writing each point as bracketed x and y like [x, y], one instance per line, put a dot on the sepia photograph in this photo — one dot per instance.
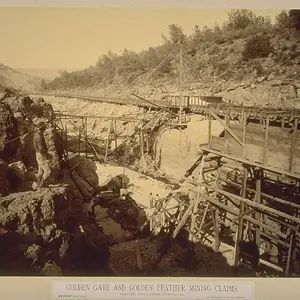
[149, 142]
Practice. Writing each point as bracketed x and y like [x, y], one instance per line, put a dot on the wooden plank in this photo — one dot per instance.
[218, 143]
[234, 148]
[254, 153]
[269, 197]
[139, 256]
[195, 210]
[227, 128]
[258, 200]
[203, 218]
[251, 163]
[209, 131]
[115, 133]
[262, 225]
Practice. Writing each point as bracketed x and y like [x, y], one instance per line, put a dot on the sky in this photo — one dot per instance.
[74, 38]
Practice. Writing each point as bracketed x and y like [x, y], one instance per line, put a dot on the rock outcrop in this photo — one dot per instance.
[9, 142]
[4, 181]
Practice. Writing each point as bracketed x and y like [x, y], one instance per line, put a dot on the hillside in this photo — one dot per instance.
[246, 59]
[46, 74]
[17, 80]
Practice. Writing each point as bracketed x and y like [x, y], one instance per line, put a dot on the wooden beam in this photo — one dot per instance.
[265, 157]
[275, 240]
[240, 225]
[288, 261]
[86, 136]
[185, 216]
[250, 202]
[215, 219]
[262, 225]
[253, 204]
[107, 141]
[244, 132]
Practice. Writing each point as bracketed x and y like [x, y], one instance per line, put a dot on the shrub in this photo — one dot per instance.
[256, 47]
[282, 20]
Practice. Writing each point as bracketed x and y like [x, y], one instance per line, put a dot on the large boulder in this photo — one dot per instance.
[9, 133]
[47, 231]
[42, 212]
[84, 174]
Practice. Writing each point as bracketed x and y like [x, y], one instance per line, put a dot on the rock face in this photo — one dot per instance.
[22, 114]
[44, 226]
[41, 212]
[20, 177]
[4, 182]
[8, 132]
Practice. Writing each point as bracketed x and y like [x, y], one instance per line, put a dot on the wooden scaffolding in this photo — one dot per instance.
[248, 182]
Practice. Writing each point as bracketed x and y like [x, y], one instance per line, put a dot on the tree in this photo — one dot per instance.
[105, 67]
[176, 34]
[150, 59]
[240, 18]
